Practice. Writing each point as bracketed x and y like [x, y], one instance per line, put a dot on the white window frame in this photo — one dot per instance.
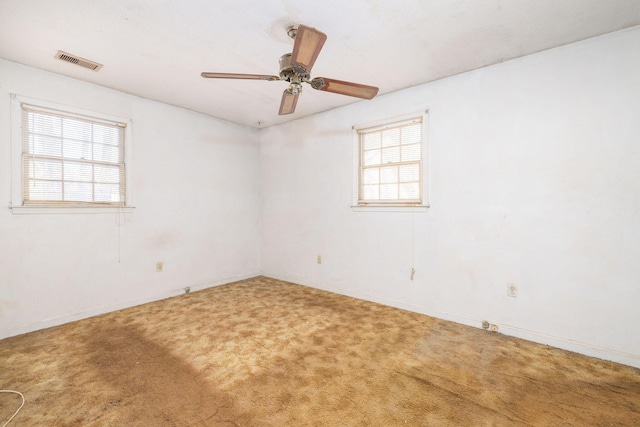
[17, 205]
[392, 205]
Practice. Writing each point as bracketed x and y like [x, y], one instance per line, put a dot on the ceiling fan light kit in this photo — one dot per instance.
[295, 68]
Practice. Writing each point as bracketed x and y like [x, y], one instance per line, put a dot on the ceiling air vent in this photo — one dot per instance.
[67, 57]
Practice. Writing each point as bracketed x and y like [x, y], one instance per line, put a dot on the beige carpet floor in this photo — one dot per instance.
[262, 352]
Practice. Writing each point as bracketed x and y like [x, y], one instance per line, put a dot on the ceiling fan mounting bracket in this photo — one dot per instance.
[292, 31]
[317, 83]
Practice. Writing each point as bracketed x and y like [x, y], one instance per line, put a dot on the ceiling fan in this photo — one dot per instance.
[295, 68]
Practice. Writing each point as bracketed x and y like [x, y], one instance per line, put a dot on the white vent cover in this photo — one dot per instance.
[73, 59]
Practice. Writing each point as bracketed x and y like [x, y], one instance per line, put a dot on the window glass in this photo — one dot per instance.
[390, 167]
[70, 160]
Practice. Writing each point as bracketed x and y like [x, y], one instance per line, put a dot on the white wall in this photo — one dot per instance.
[535, 180]
[197, 199]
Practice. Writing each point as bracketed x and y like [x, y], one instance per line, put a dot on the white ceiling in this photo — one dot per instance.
[157, 48]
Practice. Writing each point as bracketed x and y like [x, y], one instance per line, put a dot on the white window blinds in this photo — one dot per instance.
[71, 160]
[390, 169]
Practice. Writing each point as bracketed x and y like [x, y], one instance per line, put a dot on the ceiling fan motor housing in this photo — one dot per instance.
[287, 71]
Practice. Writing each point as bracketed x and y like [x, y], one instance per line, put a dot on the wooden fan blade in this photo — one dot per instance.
[344, 88]
[238, 76]
[306, 47]
[288, 103]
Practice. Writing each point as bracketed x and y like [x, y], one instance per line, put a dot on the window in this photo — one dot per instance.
[390, 163]
[68, 160]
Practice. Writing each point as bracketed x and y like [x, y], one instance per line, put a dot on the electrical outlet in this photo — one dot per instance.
[319, 259]
[159, 266]
[187, 290]
[494, 328]
[512, 290]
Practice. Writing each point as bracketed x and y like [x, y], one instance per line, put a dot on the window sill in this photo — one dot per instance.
[388, 208]
[30, 210]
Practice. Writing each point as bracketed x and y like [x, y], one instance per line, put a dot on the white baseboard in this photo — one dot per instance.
[558, 342]
[47, 323]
